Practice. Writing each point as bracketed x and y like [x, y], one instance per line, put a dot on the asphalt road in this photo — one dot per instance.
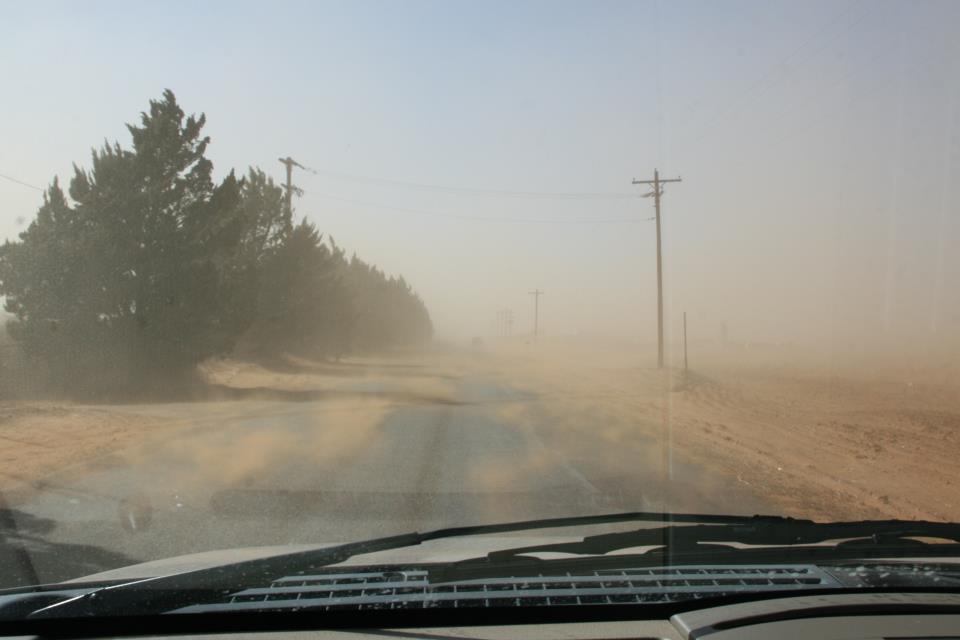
[251, 473]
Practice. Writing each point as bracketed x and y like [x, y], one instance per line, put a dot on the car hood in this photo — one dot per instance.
[437, 551]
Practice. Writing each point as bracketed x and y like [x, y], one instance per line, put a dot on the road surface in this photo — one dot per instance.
[251, 473]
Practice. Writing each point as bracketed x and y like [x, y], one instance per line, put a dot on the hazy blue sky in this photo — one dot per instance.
[818, 143]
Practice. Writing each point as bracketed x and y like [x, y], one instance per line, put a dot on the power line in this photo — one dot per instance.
[455, 216]
[762, 83]
[21, 182]
[474, 191]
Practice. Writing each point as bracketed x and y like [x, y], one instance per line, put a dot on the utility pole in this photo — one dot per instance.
[656, 193]
[290, 163]
[536, 293]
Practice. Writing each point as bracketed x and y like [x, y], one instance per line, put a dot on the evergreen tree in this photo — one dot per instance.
[149, 267]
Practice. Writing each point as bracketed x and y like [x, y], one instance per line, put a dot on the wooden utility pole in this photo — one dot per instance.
[504, 322]
[656, 193]
[290, 163]
[536, 293]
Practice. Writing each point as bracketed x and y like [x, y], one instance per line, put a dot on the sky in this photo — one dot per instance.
[483, 150]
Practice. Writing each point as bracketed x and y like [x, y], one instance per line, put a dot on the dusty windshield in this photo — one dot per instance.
[322, 272]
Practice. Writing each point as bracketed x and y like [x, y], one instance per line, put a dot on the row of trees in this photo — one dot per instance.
[146, 267]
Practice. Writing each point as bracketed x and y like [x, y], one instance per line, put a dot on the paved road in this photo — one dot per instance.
[265, 473]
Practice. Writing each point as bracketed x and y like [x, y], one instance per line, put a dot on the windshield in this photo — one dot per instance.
[315, 273]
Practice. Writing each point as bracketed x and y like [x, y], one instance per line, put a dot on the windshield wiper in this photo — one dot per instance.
[163, 593]
[760, 539]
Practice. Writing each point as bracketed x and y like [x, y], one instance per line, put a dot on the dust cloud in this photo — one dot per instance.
[221, 457]
[813, 436]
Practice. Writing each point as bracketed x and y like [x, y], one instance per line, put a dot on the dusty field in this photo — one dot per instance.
[819, 442]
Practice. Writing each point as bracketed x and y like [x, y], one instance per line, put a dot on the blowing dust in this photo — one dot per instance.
[811, 437]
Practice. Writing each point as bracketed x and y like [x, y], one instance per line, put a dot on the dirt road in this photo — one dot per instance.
[300, 452]
[391, 453]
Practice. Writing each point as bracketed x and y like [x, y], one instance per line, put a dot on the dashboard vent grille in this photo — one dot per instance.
[411, 588]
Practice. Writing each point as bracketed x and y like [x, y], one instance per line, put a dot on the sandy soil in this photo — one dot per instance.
[413, 377]
[39, 439]
[819, 442]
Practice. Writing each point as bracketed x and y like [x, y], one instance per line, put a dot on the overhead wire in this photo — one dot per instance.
[20, 182]
[474, 191]
[766, 80]
[449, 215]
[457, 216]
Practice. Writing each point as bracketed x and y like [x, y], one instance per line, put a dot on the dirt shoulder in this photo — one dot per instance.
[403, 377]
[38, 439]
[816, 443]
[829, 448]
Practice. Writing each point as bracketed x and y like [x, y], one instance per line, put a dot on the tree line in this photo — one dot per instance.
[146, 266]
